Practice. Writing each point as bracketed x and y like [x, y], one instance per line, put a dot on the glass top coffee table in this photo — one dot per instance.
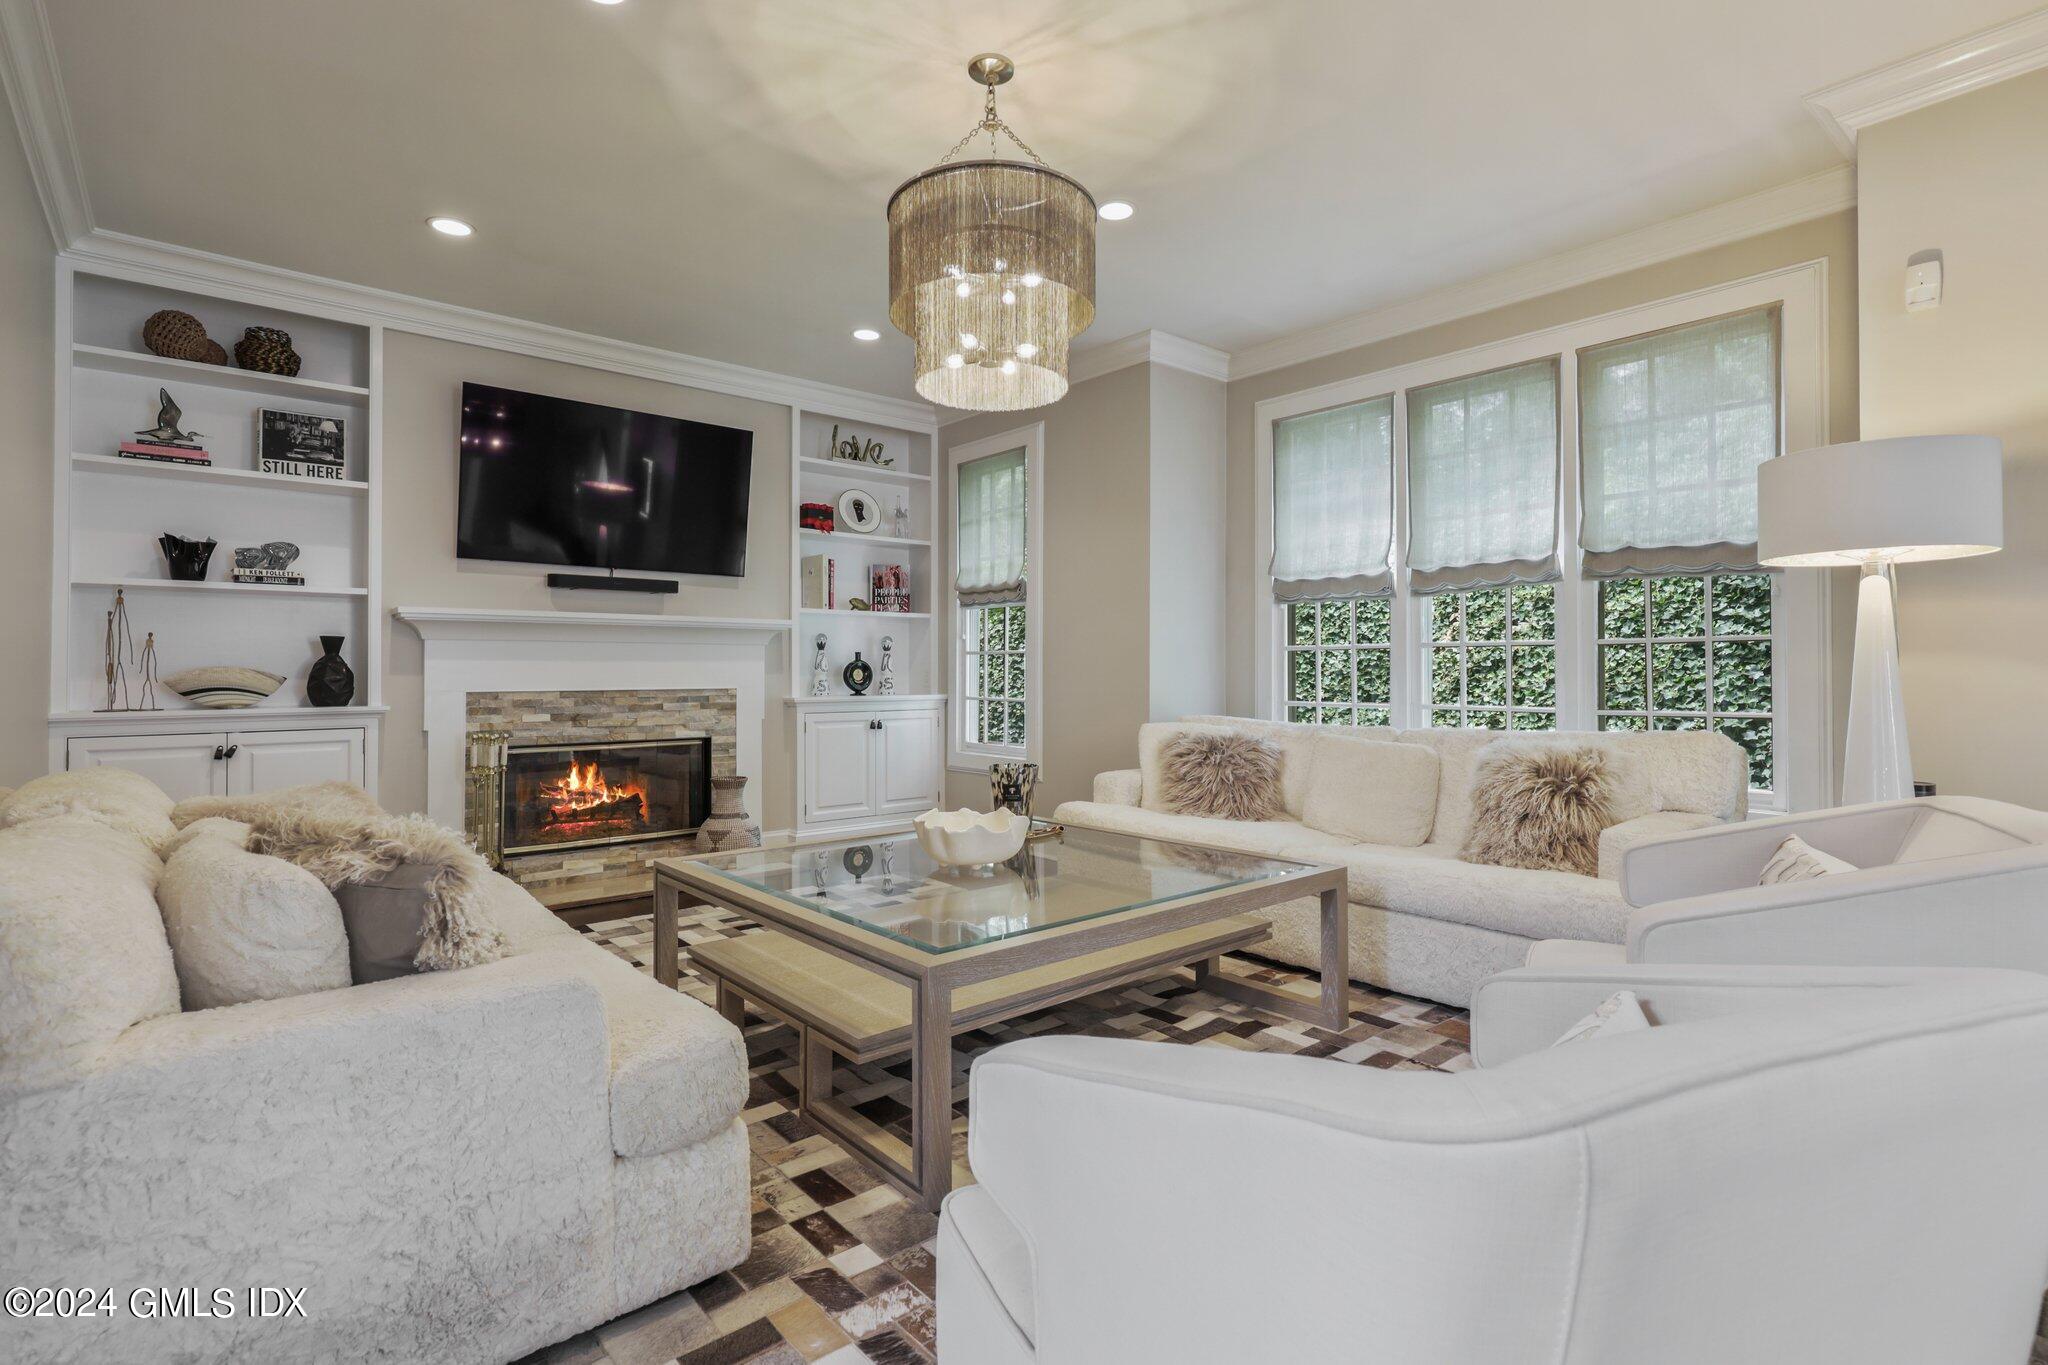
[878, 950]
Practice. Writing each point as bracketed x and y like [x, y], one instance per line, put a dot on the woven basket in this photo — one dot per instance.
[177, 335]
[267, 349]
[213, 353]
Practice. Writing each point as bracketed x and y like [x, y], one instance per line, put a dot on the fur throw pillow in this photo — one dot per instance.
[1229, 776]
[114, 797]
[344, 850]
[1540, 806]
[245, 927]
[327, 800]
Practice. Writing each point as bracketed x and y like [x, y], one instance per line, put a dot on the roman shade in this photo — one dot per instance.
[1482, 479]
[1672, 429]
[1333, 502]
[990, 554]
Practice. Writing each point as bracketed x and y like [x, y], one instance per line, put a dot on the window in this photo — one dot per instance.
[992, 674]
[1493, 658]
[1572, 535]
[1340, 661]
[1690, 653]
[996, 510]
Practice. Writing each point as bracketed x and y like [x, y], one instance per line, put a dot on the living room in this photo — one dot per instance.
[660, 711]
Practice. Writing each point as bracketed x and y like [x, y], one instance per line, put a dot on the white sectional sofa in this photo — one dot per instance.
[1424, 922]
[453, 1166]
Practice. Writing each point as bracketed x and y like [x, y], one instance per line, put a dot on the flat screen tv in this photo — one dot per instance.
[552, 481]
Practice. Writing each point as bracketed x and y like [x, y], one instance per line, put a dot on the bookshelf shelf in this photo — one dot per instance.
[213, 376]
[248, 478]
[812, 464]
[850, 538]
[209, 585]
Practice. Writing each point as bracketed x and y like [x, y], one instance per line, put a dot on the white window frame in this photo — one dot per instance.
[1802, 727]
[962, 756]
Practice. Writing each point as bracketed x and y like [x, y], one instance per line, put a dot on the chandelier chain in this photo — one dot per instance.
[992, 123]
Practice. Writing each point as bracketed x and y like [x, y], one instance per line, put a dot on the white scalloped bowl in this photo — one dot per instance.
[967, 838]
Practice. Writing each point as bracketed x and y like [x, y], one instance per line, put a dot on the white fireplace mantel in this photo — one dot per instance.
[477, 649]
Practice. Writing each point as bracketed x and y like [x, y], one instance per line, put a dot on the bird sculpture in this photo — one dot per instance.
[168, 415]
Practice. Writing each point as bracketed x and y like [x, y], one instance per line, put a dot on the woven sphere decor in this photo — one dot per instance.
[991, 272]
[179, 335]
[267, 349]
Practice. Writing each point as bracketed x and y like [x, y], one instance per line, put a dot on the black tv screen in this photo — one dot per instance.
[552, 481]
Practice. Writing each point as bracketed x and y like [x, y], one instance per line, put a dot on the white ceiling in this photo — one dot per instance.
[709, 175]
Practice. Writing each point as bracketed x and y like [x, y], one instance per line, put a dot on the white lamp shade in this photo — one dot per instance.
[1898, 500]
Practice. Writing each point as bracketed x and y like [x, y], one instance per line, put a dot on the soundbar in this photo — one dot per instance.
[609, 583]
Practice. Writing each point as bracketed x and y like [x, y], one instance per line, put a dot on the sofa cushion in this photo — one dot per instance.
[1540, 805]
[1297, 750]
[82, 948]
[1432, 882]
[328, 800]
[678, 1070]
[1273, 838]
[1373, 792]
[113, 796]
[244, 926]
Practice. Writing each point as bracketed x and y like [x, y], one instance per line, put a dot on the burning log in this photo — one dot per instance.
[626, 807]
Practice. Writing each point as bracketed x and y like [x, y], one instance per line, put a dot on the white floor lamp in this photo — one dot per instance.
[1873, 504]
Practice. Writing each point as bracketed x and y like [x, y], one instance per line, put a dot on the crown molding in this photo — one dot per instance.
[180, 267]
[1942, 73]
[1815, 196]
[1150, 347]
[28, 70]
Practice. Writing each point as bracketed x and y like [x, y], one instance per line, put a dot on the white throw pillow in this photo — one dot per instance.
[113, 796]
[1798, 861]
[82, 950]
[1619, 1013]
[1372, 792]
[244, 926]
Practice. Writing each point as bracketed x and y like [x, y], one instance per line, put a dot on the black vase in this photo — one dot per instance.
[857, 674]
[330, 682]
[186, 559]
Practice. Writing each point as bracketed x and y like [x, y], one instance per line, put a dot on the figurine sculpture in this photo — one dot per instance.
[821, 674]
[886, 687]
[166, 430]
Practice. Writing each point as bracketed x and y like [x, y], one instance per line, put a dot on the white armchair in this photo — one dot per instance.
[1952, 881]
[1835, 1177]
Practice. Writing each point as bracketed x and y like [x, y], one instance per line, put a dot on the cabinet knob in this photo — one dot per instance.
[233, 749]
[219, 752]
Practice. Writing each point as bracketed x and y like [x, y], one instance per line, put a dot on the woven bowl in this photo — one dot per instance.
[223, 687]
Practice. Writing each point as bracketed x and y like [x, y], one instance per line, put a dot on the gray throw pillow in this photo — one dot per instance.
[384, 919]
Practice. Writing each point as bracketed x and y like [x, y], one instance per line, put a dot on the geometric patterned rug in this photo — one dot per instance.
[842, 1269]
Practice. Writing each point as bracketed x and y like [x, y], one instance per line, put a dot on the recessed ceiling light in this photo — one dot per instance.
[606, 2]
[1116, 210]
[451, 227]
[860, 333]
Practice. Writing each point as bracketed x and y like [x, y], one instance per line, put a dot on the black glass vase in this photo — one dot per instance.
[186, 559]
[330, 682]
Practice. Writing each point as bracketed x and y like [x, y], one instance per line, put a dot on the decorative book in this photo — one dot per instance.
[162, 453]
[302, 445]
[888, 587]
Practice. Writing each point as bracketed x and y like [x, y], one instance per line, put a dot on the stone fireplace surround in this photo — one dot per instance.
[478, 652]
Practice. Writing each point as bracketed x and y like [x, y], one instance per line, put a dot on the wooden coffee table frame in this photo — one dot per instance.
[933, 977]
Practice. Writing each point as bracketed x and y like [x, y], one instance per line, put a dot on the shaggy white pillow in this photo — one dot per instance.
[244, 926]
[1372, 792]
[327, 800]
[112, 796]
[212, 827]
[82, 950]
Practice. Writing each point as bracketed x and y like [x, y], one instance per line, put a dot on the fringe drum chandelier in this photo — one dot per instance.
[991, 268]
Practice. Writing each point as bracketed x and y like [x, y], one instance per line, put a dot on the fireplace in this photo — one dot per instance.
[558, 796]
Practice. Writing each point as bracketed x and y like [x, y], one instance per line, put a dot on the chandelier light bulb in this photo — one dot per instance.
[1026, 349]
[955, 361]
[1009, 296]
[1001, 265]
[1033, 281]
[1009, 367]
[969, 341]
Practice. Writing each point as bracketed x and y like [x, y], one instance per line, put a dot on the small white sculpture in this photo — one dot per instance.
[821, 676]
[887, 686]
[901, 518]
[966, 838]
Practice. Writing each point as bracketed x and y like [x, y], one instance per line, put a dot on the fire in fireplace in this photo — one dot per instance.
[572, 796]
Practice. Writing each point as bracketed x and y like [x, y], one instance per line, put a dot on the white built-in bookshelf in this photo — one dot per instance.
[109, 511]
[817, 477]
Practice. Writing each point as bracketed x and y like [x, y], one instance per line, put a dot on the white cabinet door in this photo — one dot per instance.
[838, 767]
[908, 762]
[183, 765]
[262, 760]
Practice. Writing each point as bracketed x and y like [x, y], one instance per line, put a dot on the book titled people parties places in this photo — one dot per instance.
[302, 445]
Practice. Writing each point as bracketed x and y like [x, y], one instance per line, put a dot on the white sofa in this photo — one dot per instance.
[1956, 881]
[1423, 922]
[1833, 1176]
[453, 1166]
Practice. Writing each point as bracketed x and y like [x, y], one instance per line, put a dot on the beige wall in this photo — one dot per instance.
[27, 274]
[1968, 178]
[1833, 237]
[1090, 594]
[423, 381]
[1188, 524]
